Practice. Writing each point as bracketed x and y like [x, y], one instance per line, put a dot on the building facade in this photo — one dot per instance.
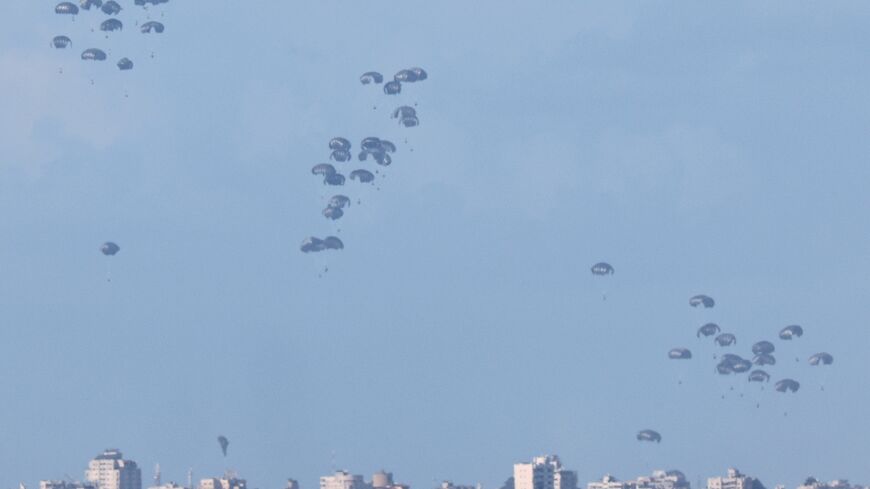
[342, 479]
[544, 472]
[109, 470]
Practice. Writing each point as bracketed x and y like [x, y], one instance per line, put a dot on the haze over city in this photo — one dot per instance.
[695, 148]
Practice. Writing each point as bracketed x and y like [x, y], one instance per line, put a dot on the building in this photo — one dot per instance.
[109, 470]
[813, 483]
[734, 480]
[292, 484]
[451, 485]
[661, 479]
[544, 472]
[610, 482]
[228, 481]
[342, 479]
[168, 485]
[65, 485]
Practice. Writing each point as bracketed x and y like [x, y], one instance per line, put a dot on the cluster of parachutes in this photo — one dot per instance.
[372, 148]
[761, 359]
[112, 24]
[405, 114]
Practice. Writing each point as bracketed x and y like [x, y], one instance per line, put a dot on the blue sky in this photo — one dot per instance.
[698, 148]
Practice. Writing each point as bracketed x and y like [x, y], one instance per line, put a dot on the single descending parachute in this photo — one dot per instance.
[93, 54]
[787, 385]
[387, 146]
[371, 77]
[420, 73]
[125, 64]
[340, 155]
[109, 248]
[109, 25]
[224, 443]
[708, 329]
[392, 88]
[339, 143]
[602, 268]
[821, 359]
[763, 347]
[339, 201]
[702, 300]
[66, 8]
[323, 169]
[364, 176]
[409, 121]
[312, 244]
[733, 364]
[151, 26]
[334, 179]
[146, 2]
[759, 376]
[726, 339]
[87, 4]
[649, 435]
[790, 332]
[372, 145]
[680, 354]
[111, 8]
[382, 159]
[333, 213]
[764, 359]
[333, 243]
[404, 111]
[61, 42]
[405, 76]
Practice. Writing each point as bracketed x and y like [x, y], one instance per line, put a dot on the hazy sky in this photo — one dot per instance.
[699, 148]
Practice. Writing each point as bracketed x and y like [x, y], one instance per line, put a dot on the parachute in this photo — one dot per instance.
[759, 376]
[66, 8]
[708, 329]
[702, 300]
[371, 77]
[731, 363]
[333, 243]
[404, 111]
[420, 73]
[790, 332]
[61, 42]
[392, 88]
[409, 121]
[371, 145]
[649, 435]
[334, 179]
[364, 176]
[146, 2]
[340, 201]
[680, 354]
[821, 359]
[93, 54]
[382, 159]
[151, 26]
[109, 248]
[405, 76]
[333, 213]
[602, 268]
[224, 443]
[340, 155]
[312, 244]
[763, 347]
[387, 146]
[111, 8]
[87, 4]
[726, 339]
[111, 25]
[787, 385]
[323, 169]
[125, 64]
[762, 359]
[339, 144]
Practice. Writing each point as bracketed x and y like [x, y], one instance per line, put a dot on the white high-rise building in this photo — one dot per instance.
[342, 479]
[544, 472]
[109, 470]
[734, 480]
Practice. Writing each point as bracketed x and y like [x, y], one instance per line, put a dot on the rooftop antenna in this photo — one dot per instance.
[332, 461]
[157, 481]
[190, 478]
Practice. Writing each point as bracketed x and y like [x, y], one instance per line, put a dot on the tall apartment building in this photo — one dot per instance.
[342, 479]
[734, 480]
[109, 470]
[544, 472]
